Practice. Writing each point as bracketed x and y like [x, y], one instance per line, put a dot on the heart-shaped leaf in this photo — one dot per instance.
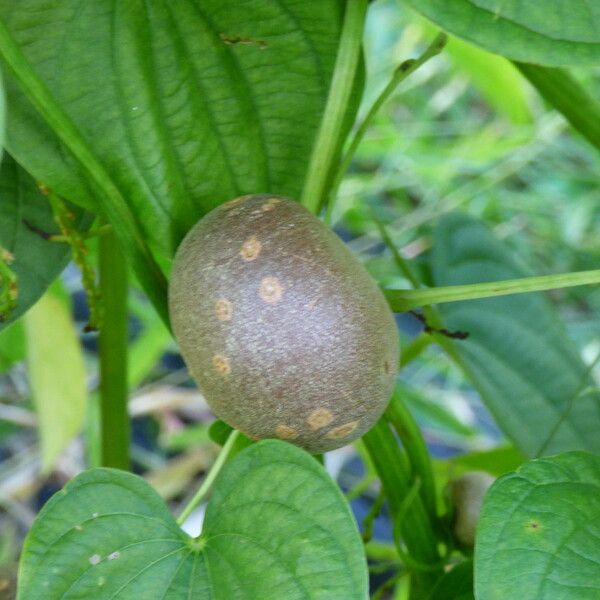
[528, 372]
[276, 527]
[553, 32]
[26, 221]
[186, 104]
[540, 532]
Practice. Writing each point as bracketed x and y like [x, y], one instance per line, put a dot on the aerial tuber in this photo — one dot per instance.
[281, 326]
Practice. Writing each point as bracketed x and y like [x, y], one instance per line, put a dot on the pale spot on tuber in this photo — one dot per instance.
[236, 202]
[250, 249]
[284, 432]
[343, 430]
[319, 418]
[223, 309]
[221, 364]
[270, 290]
[270, 204]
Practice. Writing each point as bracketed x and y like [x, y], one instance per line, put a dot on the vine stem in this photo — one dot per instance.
[111, 202]
[415, 446]
[210, 478]
[404, 300]
[410, 519]
[328, 138]
[404, 70]
[114, 418]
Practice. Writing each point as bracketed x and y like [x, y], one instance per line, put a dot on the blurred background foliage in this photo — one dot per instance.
[466, 132]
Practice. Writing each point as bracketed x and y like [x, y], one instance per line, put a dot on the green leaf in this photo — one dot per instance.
[517, 355]
[57, 375]
[185, 104]
[539, 532]
[276, 527]
[496, 461]
[553, 32]
[432, 414]
[495, 77]
[456, 584]
[2, 116]
[12, 345]
[25, 219]
[219, 431]
[569, 97]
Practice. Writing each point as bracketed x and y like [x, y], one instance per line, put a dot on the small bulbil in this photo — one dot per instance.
[283, 329]
[467, 493]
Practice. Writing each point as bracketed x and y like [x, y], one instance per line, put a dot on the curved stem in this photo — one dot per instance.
[209, 479]
[401, 72]
[412, 439]
[113, 340]
[328, 137]
[413, 520]
[404, 300]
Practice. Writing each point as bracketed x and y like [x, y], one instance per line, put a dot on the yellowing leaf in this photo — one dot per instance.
[56, 375]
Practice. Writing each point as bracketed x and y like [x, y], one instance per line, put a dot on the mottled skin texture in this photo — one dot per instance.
[283, 329]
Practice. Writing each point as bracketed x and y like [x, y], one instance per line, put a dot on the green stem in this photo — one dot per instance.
[79, 252]
[361, 487]
[404, 300]
[112, 203]
[84, 235]
[415, 349]
[400, 261]
[328, 137]
[369, 520]
[379, 551]
[413, 442]
[413, 520]
[113, 355]
[433, 318]
[401, 72]
[209, 479]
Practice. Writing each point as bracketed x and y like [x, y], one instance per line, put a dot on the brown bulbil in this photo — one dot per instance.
[305, 357]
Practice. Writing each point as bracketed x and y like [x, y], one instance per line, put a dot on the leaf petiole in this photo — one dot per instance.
[326, 145]
[210, 478]
[402, 71]
[404, 300]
